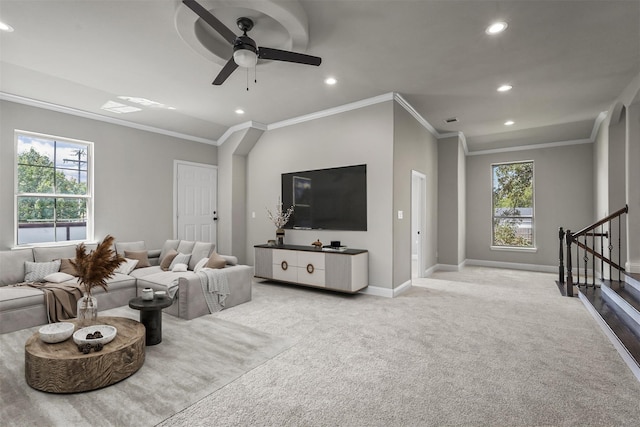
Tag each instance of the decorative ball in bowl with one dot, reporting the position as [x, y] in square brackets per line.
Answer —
[95, 334]
[56, 332]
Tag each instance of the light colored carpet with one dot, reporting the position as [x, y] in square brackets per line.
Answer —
[483, 347]
[195, 358]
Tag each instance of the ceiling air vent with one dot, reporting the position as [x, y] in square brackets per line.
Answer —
[451, 120]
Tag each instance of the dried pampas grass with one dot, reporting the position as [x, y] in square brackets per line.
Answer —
[96, 267]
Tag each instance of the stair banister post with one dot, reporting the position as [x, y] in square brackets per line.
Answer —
[569, 275]
[561, 256]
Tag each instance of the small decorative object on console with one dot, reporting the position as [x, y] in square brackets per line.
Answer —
[279, 219]
[317, 244]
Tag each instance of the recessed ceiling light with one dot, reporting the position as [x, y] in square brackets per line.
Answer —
[496, 27]
[6, 27]
[330, 81]
[239, 111]
[505, 88]
[509, 123]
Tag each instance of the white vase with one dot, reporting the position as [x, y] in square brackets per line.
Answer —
[87, 313]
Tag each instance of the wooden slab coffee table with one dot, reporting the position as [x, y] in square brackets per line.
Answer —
[62, 368]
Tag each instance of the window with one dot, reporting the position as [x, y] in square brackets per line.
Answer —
[512, 207]
[53, 189]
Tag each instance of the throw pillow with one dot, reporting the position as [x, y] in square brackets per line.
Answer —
[127, 266]
[215, 261]
[179, 267]
[37, 271]
[67, 267]
[200, 265]
[180, 259]
[168, 259]
[58, 277]
[141, 256]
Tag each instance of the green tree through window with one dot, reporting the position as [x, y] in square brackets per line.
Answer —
[53, 197]
[513, 204]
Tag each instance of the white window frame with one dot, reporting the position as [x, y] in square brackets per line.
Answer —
[533, 247]
[89, 197]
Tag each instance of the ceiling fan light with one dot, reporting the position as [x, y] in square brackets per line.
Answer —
[245, 58]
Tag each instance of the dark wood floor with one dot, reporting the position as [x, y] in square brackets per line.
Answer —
[617, 319]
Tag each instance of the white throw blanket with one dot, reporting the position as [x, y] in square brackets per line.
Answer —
[215, 287]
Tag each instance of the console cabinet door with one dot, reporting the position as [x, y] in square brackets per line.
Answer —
[311, 268]
[285, 265]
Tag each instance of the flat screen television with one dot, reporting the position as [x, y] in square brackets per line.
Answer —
[327, 199]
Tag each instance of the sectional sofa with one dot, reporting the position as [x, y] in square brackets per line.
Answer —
[23, 307]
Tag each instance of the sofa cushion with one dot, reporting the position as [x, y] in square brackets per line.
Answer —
[141, 256]
[215, 261]
[200, 250]
[163, 279]
[185, 246]
[37, 271]
[13, 297]
[122, 247]
[168, 259]
[166, 247]
[67, 267]
[49, 253]
[12, 265]
[143, 272]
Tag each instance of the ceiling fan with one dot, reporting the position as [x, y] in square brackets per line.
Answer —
[245, 51]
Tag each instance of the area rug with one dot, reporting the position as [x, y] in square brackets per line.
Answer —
[195, 359]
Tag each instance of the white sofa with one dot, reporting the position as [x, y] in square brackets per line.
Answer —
[23, 307]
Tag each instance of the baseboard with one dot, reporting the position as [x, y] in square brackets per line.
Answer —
[632, 267]
[513, 265]
[446, 267]
[386, 292]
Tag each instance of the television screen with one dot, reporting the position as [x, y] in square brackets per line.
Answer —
[329, 199]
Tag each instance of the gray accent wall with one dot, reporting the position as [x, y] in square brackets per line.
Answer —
[414, 148]
[451, 202]
[133, 172]
[361, 136]
[564, 196]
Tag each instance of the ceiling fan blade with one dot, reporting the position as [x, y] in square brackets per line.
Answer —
[226, 72]
[211, 20]
[285, 55]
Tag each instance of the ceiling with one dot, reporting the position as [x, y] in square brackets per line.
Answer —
[567, 61]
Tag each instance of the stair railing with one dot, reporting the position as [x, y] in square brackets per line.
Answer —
[593, 231]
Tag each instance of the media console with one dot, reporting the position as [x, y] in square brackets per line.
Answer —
[345, 271]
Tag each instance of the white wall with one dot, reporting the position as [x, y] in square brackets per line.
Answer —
[133, 172]
[362, 136]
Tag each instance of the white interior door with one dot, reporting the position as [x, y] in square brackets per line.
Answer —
[418, 220]
[195, 201]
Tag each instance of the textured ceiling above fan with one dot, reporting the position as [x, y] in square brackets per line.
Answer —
[245, 50]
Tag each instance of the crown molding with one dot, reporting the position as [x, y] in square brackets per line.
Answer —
[241, 126]
[94, 116]
[332, 111]
[531, 147]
